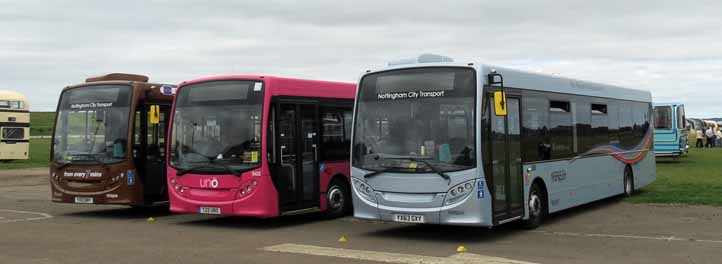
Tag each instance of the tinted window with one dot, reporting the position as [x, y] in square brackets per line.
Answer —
[681, 117]
[535, 120]
[560, 129]
[335, 135]
[600, 125]
[663, 117]
[582, 122]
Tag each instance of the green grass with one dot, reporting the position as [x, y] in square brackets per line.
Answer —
[39, 156]
[694, 179]
[41, 123]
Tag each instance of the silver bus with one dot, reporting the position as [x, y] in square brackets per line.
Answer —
[440, 142]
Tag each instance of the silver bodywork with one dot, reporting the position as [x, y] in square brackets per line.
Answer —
[588, 178]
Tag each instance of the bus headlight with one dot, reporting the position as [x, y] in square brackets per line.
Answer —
[459, 192]
[364, 190]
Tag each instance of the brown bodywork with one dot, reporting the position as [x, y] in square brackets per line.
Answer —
[73, 180]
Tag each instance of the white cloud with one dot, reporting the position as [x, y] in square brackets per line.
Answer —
[672, 48]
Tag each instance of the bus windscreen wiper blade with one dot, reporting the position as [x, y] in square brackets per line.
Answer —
[62, 165]
[226, 167]
[210, 165]
[433, 169]
[374, 173]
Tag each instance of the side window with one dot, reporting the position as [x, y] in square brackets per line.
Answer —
[626, 124]
[534, 140]
[347, 119]
[335, 133]
[560, 129]
[663, 117]
[582, 124]
[600, 123]
[681, 117]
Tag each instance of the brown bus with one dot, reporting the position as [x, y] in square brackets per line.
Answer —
[109, 142]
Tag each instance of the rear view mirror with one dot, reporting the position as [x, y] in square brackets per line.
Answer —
[154, 115]
[100, 116]
[500, 103]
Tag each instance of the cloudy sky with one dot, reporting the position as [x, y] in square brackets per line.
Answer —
[672, 48]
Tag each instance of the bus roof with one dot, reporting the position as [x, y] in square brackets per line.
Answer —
[668, 104]
[541, 82]
[12, 95]
[290, 86]
[118, 77]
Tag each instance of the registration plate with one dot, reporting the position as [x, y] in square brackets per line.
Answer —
[84, 200]
[407, 218]
[210, 210]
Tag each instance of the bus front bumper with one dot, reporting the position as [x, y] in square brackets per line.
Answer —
[465, 213]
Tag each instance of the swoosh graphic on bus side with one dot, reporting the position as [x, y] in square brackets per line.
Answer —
[628, 156]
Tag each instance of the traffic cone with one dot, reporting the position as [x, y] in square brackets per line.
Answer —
[342, 239]
[461, 249]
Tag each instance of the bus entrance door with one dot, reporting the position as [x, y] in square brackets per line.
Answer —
[507, 183]
[149, 151]
[298, 176]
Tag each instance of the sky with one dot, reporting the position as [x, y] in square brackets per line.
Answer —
[671, 48]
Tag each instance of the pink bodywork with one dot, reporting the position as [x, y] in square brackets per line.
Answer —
[223, 191]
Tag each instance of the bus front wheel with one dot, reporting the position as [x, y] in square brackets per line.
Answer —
[536, 205]
[338, 199]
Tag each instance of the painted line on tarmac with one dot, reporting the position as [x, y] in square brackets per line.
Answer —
[662, 238]
[388, 257]
[39, 216]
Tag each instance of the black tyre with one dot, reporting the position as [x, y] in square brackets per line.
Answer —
[537, 206]
[628, 182]
[338, 199]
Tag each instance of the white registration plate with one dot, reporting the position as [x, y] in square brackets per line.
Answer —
[210, 210]
[84, 200]
[407, 218]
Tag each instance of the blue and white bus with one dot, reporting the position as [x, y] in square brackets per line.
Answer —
[671, 135]
[440, 142]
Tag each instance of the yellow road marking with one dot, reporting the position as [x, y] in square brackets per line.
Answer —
[388, 257]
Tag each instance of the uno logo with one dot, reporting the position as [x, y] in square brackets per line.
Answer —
[212, 183]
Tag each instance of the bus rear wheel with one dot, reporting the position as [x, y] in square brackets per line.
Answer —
[338, 199]
[536, 205]
[628, 182]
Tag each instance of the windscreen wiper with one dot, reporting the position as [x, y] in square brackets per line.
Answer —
[226, 167]
[433, 169]
[211, 165]
[62, 165]
[374, 173]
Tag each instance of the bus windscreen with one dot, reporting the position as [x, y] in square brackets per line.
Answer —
[416, 120]
[217, 127]
[92, 124]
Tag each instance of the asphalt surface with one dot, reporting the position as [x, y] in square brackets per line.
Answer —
[34, 230]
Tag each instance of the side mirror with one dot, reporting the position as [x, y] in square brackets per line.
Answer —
[154, 115]
[500, 103]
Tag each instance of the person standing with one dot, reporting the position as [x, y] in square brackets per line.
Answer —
[710, 137]
[700, 138]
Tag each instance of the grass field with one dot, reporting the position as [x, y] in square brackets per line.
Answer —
[694, 179]
[41, 123]
[39, 156]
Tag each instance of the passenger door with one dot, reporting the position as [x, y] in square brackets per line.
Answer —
[149, 150]
[297, 176]
[507, 183]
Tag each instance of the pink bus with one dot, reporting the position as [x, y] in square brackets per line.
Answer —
[260, 146]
